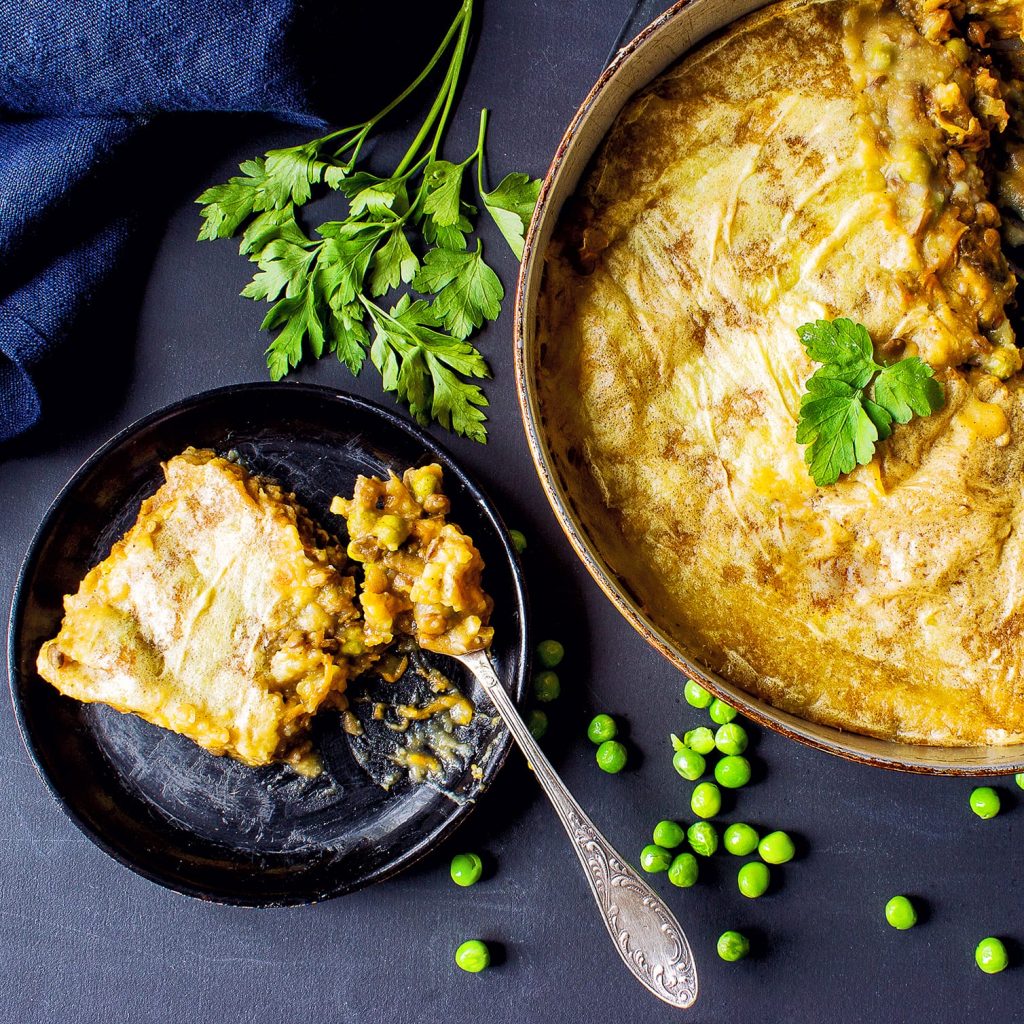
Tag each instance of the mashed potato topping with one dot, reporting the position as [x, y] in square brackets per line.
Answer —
[820, 159]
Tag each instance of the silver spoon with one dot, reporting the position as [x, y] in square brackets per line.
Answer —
[646, 934]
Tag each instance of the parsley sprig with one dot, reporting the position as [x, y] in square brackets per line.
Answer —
[407, 230]
[851, 401]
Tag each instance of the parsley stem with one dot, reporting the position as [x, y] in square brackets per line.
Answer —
[462, 19]
[480, 151]
[443, 99]
[453, 87]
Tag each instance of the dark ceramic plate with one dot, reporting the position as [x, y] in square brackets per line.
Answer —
[209, 826]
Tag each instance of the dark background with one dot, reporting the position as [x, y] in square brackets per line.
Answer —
[83, 939]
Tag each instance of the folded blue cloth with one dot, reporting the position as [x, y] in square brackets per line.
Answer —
[80, 83]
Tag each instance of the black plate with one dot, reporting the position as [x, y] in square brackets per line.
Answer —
[209, 826]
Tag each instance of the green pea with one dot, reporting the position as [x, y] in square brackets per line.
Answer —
[391, 531]
[518, 540]
[683, 870]
[546, 686]
[466, 869]
[991, 955]
[753, 879]
[733, 946]
[1019, 779]
[655, 858]
[702, 837]
[880, 55]
[732, 771]
[731, 738]
[985, 802]
[776, 848]
[668, 834]
[706, 800]
[720, 712]
[473, 956]
[611, 756]
[701, 740]
[689, 764]
[740, 839]
[695, 694]
[601, 728]
[537, 723]
[550, 653]
[900, 913]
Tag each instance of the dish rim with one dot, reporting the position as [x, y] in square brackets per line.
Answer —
[460, 810]
[857, 747]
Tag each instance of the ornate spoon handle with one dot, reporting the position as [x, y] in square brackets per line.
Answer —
[646, 934]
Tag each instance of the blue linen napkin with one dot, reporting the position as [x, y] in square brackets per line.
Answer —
[80, 83]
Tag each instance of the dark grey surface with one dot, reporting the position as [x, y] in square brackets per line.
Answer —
[83, 939]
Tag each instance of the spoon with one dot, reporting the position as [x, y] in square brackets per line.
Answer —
[646, 934]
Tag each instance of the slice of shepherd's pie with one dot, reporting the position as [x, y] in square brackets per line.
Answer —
[223, 614]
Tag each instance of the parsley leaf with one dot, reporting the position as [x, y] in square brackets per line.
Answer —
[467, 290]
[836, 426]
[840, 421]
[227, 206]
[420, 363]
[452, 236]
[301, 320]
[348, 337]
[266, 227]
[392, 263]
[908, 387]
[511, 205]
[375, 195]
[843, 346]
[442, 183]
[345, 257]
[290, 174]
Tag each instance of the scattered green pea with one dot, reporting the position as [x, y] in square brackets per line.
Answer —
[720, 712]
[655, 858]
[473, 956]
[689, 764]
[740, 839]
[546, 686]
[695, 695]
[611, 756]
[702, 837]
[701, 740]
[601, 728]
[537, 723]
[1019, 779]
[731, 738]
[776, 848]
[466, 869]
[732, 772]
[706, 800]
[900, 913]
[550, 653]
[733, 946]
[991, 955]
[683, 870]
[985, 802]
[668, 834]
[518, 540]
[753, 879]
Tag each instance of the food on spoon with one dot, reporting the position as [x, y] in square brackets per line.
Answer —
[421, 574]
[819, 160]
[223, 614]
